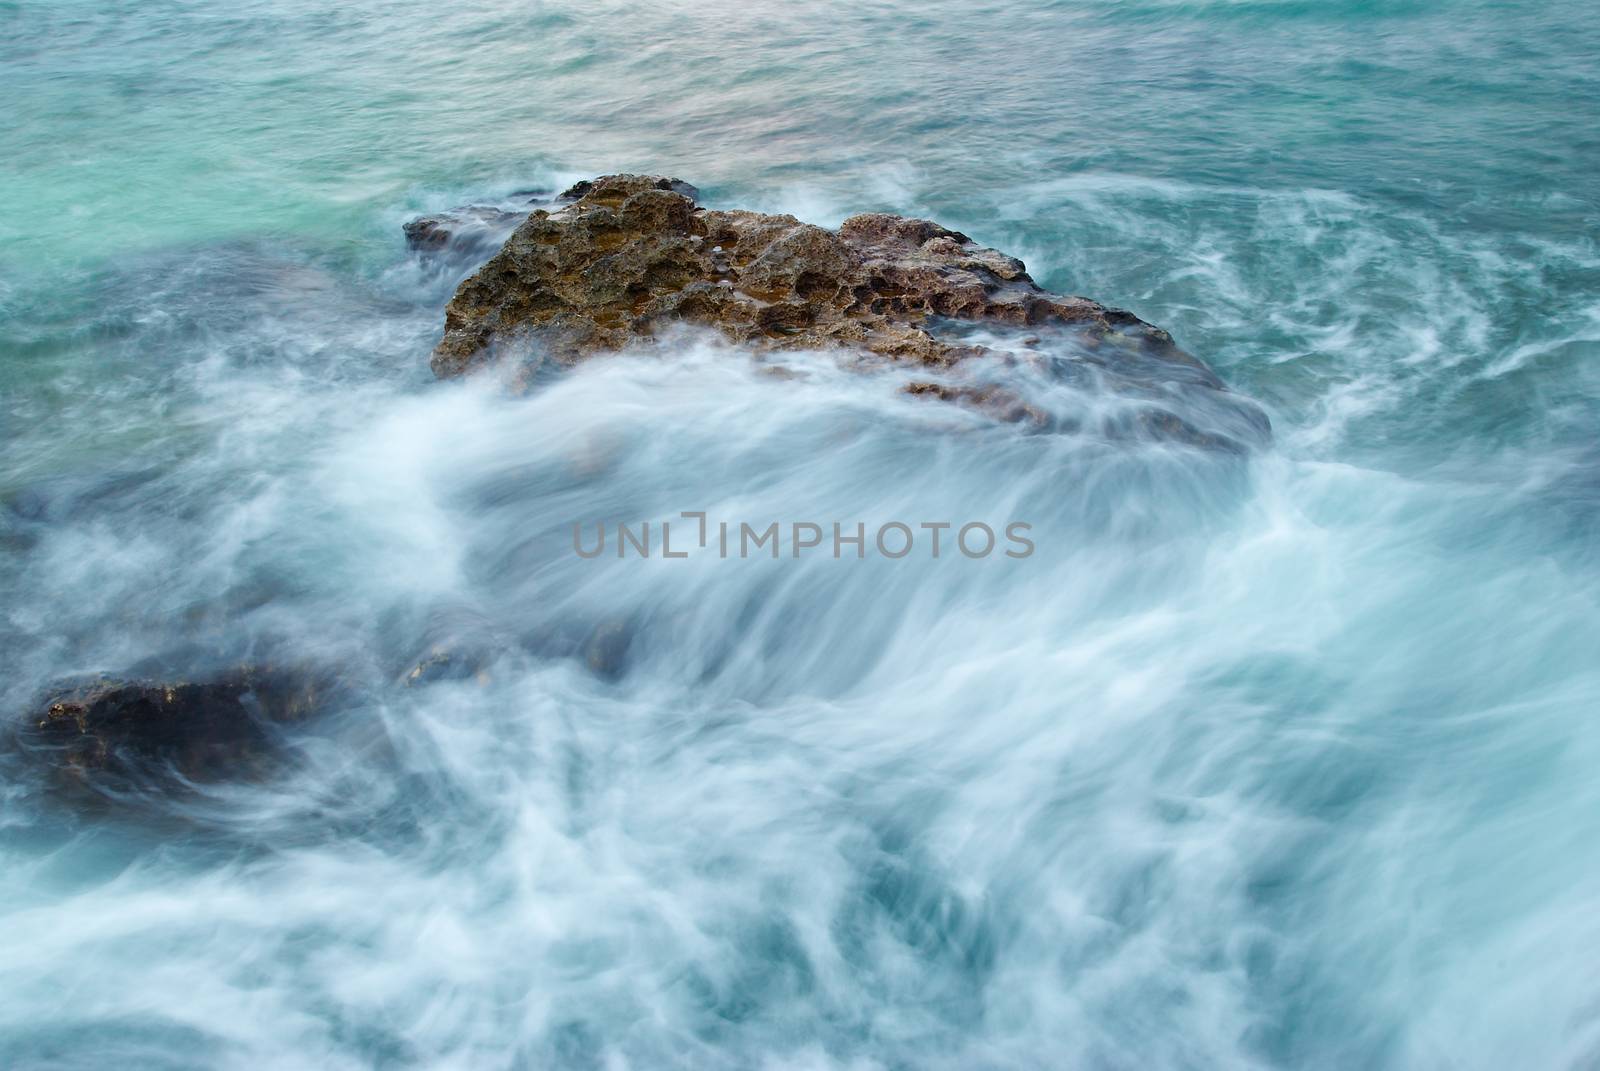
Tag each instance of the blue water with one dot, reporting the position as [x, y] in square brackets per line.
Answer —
[1283, 761]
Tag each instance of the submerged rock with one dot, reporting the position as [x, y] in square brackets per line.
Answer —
[204, 730]
[464, 231]
[614, 261]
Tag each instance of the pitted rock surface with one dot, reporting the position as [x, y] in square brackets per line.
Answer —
[623, 256]
[615, 262]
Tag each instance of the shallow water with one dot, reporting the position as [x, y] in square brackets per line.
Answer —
[1281, 760]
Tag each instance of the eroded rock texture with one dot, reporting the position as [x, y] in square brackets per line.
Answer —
[613, 262]
[629, 253]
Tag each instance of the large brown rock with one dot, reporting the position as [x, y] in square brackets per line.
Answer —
[614, 261]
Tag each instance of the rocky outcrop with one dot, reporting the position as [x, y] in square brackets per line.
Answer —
[613, 262]
[203, 730]
[627, 254]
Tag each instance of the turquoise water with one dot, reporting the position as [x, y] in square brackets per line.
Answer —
[1277, 762]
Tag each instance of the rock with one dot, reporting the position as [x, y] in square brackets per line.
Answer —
[998, 402]
[427, 234]
[446, 663]
[631, 253]
[471, 231]
[617, 259]
[200, 731]
[605, 652]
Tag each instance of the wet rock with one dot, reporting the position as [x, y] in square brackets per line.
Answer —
[605, 652]
[605, 189]
[462, 231]
[620, 258]
[446, 663]
[450, 641]
[629, 254]
[204, 730]
[997, 402]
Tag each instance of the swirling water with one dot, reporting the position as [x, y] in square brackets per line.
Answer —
[1282, 761]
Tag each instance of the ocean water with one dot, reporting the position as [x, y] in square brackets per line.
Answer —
[1277, 761]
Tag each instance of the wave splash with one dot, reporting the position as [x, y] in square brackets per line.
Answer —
[657, 812]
